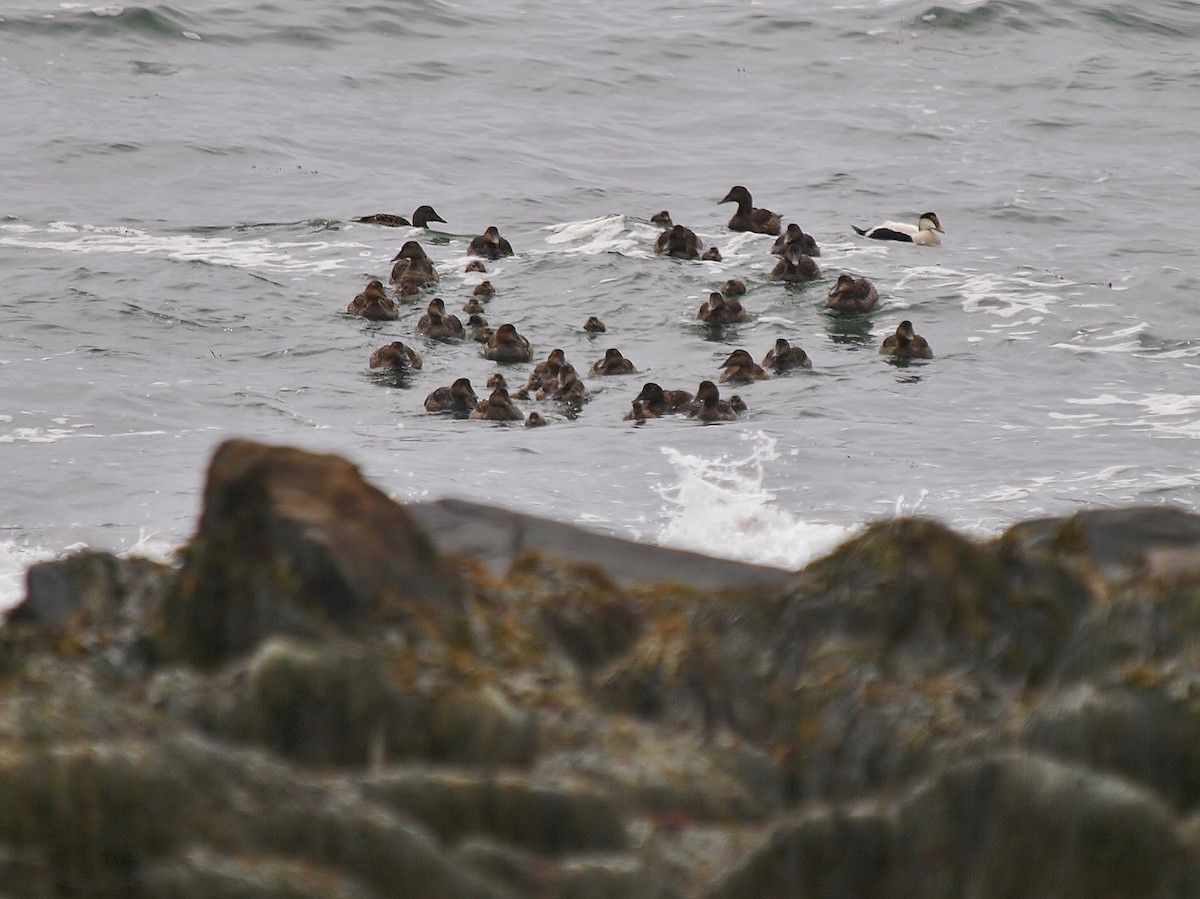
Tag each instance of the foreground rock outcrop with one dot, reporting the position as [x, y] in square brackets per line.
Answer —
[332, 695]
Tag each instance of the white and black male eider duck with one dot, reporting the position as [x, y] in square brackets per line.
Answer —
[420, 219]
[906, 344]
[924, 233]
[747, 218]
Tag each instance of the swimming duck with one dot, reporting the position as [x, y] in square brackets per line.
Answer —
[740, 368]
[497, 407]
[437, 325]
[709, 406]
[507, 345]
[852, 295]
[413, 269]
[638, 412]
[472, 306]
[594, 325]
[568, 387]
[734, 287]
[490, 245]
[906, 344]
[484, 289]
[662, 218]
[717, 310]
[458, 397]
[794, 235]
[680, 242]
[420, 219]
[534, 420]
[785, 357]
[747, 218]
[396, 357]
[497, 380]
[374, 304]
[475, 265]
[613, 363]
[924, 233]
[662, 402]
[544, 377]
[795, 267]
[712, 254]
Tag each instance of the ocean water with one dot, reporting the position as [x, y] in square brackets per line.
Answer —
[177, 249]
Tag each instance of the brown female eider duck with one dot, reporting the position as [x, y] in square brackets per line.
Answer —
[544, 376]
[785, 357]
[506, 345]
[413, 269]
[717, 310]
[734, 287]
[793, 235]
[497, 407]
[679, 242]
[396, 357]
[657, 401]
[906, 344]
[747, 218]
[374, 304]
[613, 363]
[924, 233]
[740, 368]
[420, 219]
[437, 325]
[594, 326]
[490, 245]
[795, 267]
[568, 387]
[852, 296]
[458, 397]
[709, 406]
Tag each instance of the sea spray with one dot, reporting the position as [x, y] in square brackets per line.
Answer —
[721, 506]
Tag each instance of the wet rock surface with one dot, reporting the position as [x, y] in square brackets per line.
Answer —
[332, 695]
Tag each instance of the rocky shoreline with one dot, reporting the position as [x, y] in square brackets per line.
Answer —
[333, 695]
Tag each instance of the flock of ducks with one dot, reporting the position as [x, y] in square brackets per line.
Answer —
[554, 378]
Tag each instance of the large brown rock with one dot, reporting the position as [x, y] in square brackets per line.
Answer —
[296, 542]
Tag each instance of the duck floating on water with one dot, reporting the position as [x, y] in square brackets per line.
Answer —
[906, 344]
[437, 325]
[662, 218]
[785, 357]
[657, 401]
[613, 363]
[795, 235]
[374, 304]
[490, 245]
[795, 267]
[709, 406]
[413, 268]
[593, 325]
[719, 311]
[458, 397]
[747, 218]
[852, 296]
[498, 407]
[506, 345]
[924, 233]
[740, 368]
[420, 218]
[679, 242]
[396, 357]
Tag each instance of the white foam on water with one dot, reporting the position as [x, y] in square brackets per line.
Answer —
[721, 507]
[254, 252]
[605, 234]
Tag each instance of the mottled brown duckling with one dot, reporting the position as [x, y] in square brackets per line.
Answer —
[734, 287]
[458, 397]
[473, 306]
[475, 265]
[420, 219]
[476, 321]
[680, 242]
[413, 269]
[662, 218]
[506, 345]
[374, 304]
[712, 254]
[740, 368]
[852, 296]
[497, 380]
[613, 363]
[785, 357]
[534, 420]
[396, 357]
[484, 289]
[498, 407]
[717, 310]
[638, 412]
[793, 236]
[657, 401]
[594, 326]
[544, 376]
[437, 325]
[568, 387]
[747, 218]
[490, 245]
[906, 344]
[709, 406]
[795, 267]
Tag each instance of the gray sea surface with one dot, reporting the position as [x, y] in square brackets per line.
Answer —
[178, 247]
